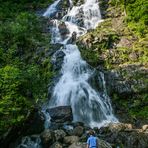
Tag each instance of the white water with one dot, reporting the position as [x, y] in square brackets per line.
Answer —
[73, 89]
[30, 142]
[88, 105]
[51, 9]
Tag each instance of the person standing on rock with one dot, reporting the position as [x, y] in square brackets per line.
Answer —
[92, 141]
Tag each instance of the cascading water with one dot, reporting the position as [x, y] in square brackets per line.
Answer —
[73, 89]
[52, 9]
[30, 142]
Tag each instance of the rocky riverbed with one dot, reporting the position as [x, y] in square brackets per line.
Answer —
[68, 134]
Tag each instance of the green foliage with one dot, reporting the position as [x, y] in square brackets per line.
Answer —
[135, 106]
[137, 16]
[24, 75]
[92, 57]
[23, 33]
[140, 113]
[20, 89]
[11, 8]
[12, 103]
[136, 11]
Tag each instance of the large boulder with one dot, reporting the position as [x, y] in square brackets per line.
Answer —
[60, 114]
[48, 138]
[63, 30]
[71, 139]
[117, 127]
[78, 131]
[59, 135]
[145, 127]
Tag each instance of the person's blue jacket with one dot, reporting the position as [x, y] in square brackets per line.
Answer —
[92, 142]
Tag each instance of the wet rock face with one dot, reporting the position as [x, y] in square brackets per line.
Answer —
[57, 60]
[117, 84]
[60, 114]
[128, 85]
[96, 81]
[63, 30]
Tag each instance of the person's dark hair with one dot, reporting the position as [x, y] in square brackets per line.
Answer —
[91, 132]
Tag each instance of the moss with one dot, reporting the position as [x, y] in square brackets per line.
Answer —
[104, 44]
[98, 42]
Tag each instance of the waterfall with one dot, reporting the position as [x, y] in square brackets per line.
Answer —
[73, 88]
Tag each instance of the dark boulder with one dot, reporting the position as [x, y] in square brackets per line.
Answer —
[63, 30]
[53, 49]
[57, 60]
[78, 131]
[59, 135]
[71, 139]
[72, 40]
[60, 114]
